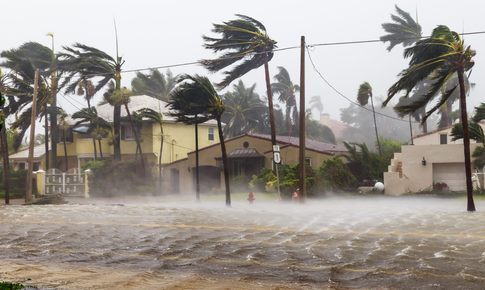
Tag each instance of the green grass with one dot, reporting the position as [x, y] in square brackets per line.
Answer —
[13, 286]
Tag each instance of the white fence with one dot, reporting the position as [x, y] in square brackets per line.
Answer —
[70, 183]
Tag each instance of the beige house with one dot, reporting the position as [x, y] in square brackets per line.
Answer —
[433, 158]
[247, 154]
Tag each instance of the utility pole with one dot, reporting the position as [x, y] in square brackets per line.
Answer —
[302, 193]
[28, 194]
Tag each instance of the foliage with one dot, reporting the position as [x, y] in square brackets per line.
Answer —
[319, 132]
[290, 181]
[285, 89]
[440, 186]
[240, 183]
[372, 164]
[155, 84]
[336, 175]
[14, 286]
[388, 148]
[259, 182]
[403, 31]
[316, 103]
[109, 179]
[17, 181]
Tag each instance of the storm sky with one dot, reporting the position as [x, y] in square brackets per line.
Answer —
[154, 34]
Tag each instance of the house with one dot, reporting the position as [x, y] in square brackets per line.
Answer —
[179, 139]
[336, 126]
[433, 158]
[20, 160]
[247, 154]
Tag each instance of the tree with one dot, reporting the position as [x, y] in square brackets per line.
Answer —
[403, 31]
[196, 95]
[371, 163]
[86, 62]
[439, 57]
[86, 88]
[246, 41]
[363, 95]
[316, 103]
[64, 125]
[244, 110]
[286, 90]
[155, 117]
[122, 97]
[90, 116]
[155, 84]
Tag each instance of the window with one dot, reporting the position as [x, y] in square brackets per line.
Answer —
[211, 134]
[127, 132]
[443, 139]
[308, 160]
[65, 135]
[22, 166]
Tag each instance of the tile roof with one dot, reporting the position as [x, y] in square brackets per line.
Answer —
[39, 151]
[245, 153]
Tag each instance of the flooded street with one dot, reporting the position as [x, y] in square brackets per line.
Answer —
[387, 242]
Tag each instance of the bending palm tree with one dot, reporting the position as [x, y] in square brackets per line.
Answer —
[316, 103]
[403, 31]
[286, 90]
[243, 40]
[197, 96]
[90, 115]
[363, 95]
[155, 84]
[439, 56]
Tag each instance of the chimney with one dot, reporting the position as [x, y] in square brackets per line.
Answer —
[325, 119]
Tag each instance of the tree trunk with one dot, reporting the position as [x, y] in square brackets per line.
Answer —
[375, 125]
[46, 139]
[54, 129]
[411, 129]
[224, 161]
[95, 152]
[6, 166]
[65, 151]
[117, 123]
[136, 139]
[466, 143]
[197, 185]
[160, 165]
[100, 150]
[270, 102]
[288, 118]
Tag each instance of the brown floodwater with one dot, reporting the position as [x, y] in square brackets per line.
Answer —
[387, 242]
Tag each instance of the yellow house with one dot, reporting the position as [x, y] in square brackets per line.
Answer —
[179, 139]
[247, 154]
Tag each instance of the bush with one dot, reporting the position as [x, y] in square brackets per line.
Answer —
[110, 179]
[240, 183]
[336, 175]
[259, 182]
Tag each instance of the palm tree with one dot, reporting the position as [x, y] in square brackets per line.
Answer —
[155, 117]
[64, 125]
[439, 56]
[244, 110]
[246, 41]
[363, 95]
[316, 103]
[196, 95]
[403, 31]
[86, 62]
[122, 97]
[155, 84]
[90, 116]
[86, 88]
[286, 90]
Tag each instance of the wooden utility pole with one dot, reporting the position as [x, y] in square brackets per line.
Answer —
[28, 194]
[302, 124]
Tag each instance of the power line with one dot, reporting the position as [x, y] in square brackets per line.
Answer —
[339, 93]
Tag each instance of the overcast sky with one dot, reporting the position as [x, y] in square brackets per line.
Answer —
[161, 33]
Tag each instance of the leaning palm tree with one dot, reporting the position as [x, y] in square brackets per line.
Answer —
[155, 117]
[316, 103]
[363, 95]
[244, 110]
[155, 84]
[286, 90]
[90, 116]
[196, 95]
[81, 62]
[405, 30]
[122, 97]
[246, 41]
[439, 56]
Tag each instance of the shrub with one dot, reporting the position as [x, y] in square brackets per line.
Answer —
[440, 186]
[336, 175]
[260, 181]
[240, 183]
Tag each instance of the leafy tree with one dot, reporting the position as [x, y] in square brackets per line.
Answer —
[286, 90]
[246, 41]
[363, 95]
[244, 110]
[371, 162]
[439, 56]
[82, 63]
[155, 84]
[196, 95]
[389, 147]
[336, 175]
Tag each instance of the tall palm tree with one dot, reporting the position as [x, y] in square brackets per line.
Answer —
[246, 41]
[155, 84]
[90, 116]
[316, 103]
[286, 90]
[81, 63]
[363, 95]
[86, 88]
[405, 30]
[122, 97]
[195, 95]
[244, 110]
[155, 117]
[441, 55]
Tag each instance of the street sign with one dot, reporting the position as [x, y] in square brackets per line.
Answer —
[276, 148]
[277, 157]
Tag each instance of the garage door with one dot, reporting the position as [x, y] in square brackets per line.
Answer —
[453, 174]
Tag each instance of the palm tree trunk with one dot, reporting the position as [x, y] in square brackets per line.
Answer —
[6, 167]
[411, 129]
[136, 139]
[224, 162]
[466, 143]
[100, 150]
[160, 165]
[270, 101]
[117, 123]
[46, 139]
[95, 152]
[54, 129]
[197, 185]
[375, 125]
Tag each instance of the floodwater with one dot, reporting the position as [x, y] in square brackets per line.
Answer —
[387, 242]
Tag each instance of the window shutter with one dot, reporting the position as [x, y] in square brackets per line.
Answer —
[122, 132]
